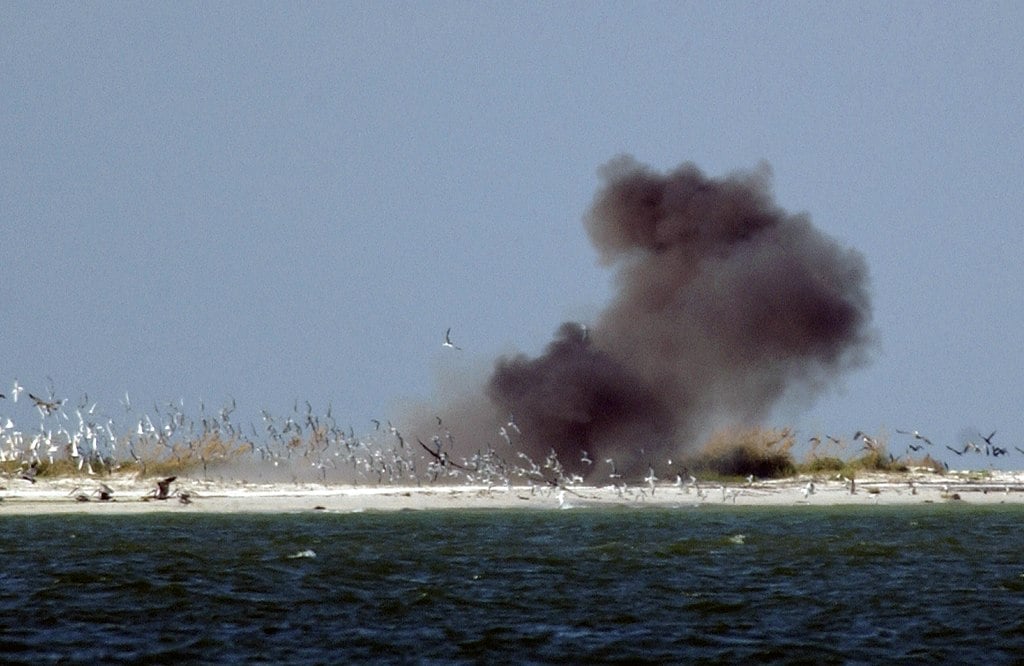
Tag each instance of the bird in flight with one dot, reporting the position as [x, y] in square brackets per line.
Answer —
[163, 488]
[46, 406]
[869, 441]
[439, 455]
[448, 340]
[916, 435]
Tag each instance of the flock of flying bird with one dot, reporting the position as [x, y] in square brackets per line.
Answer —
[989, 448]
[299, 446]
[305, 446]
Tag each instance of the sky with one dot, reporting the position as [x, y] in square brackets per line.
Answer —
[280, 202]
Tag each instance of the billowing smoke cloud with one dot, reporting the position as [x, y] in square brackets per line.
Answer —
[724, 302]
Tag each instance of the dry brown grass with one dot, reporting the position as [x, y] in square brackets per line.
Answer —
[206, 454]
[821, 464]
[60, 467]
[767, 454]
[150, 458]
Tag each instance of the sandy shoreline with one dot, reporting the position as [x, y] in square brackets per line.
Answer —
[18, 497]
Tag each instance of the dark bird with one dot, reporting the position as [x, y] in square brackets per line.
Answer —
[959, 453]
[448, 340]
[988, 440]
[163, 488]
[30, 473]
[46, 406]
[439, 455]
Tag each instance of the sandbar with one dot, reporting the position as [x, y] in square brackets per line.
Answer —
[134, 495]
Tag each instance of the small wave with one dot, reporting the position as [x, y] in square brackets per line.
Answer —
[302, 554]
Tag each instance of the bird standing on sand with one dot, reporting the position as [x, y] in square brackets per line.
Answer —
[30, 473]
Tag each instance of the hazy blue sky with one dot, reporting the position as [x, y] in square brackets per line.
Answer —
[281, 201]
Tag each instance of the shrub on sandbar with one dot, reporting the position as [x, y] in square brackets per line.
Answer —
[739, 453]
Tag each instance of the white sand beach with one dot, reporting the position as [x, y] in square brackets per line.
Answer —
[133, 495]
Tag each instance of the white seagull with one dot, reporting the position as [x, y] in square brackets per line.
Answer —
[650, 479]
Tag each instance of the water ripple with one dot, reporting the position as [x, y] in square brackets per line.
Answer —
[835, 585]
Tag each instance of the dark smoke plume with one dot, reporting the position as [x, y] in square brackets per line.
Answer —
[724, 303]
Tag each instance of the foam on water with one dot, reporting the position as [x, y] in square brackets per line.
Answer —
[862, 584]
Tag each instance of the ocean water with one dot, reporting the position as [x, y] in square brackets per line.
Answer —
[659, 585]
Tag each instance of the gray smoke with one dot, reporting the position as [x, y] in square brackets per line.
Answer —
[724, 303]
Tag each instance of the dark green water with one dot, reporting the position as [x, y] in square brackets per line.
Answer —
[789, 585]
